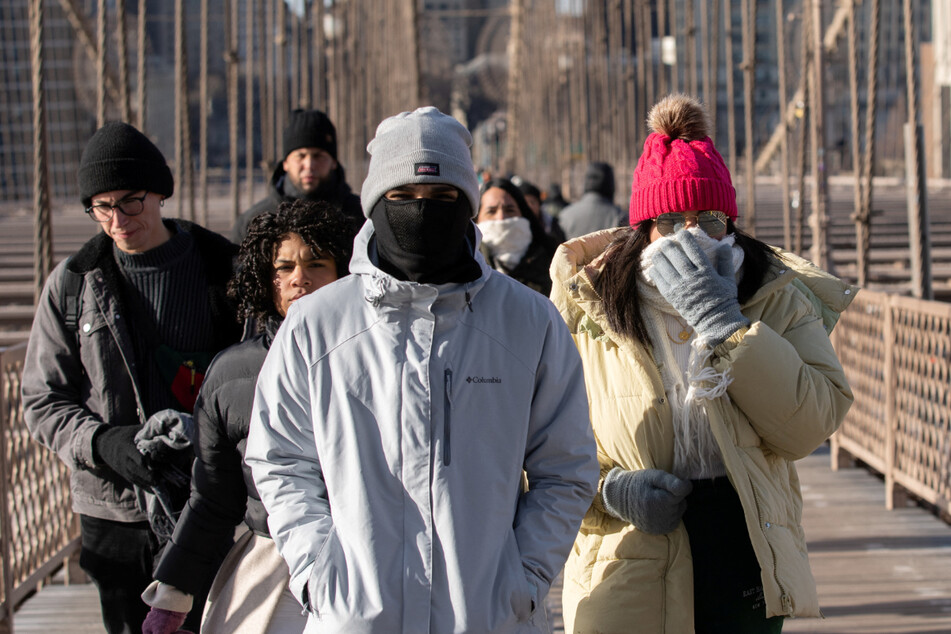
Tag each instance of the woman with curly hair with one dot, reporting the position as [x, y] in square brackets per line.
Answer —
[287, 254]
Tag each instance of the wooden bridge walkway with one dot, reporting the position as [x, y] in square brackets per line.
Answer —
[878, 571]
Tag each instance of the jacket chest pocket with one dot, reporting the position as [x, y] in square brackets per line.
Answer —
[102, 361]
[95, 346]
[90, 324]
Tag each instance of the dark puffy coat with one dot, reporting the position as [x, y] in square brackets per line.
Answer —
[222, 492]
[532, 269]
[76, 382]
[337, 192]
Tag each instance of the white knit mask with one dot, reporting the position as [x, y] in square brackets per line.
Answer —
[507, 240]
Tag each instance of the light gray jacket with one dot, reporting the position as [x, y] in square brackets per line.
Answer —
[593, 212]
[391, 425]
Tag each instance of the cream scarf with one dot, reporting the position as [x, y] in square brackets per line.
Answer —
[686, 370]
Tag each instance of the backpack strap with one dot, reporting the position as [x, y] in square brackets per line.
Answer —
[71, 298]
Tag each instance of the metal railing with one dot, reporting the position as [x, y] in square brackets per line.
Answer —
[38, 531]
[896, 352]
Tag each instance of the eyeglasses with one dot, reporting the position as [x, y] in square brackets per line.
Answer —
[130, 206]
[713, 223]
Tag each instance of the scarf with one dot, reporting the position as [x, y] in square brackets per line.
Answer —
[507, 240]
[686, 369]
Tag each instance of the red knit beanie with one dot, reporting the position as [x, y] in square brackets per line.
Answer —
[680, 169]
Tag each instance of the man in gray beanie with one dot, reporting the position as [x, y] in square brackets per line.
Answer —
[309, 170]
[122, 334]
[399, 407]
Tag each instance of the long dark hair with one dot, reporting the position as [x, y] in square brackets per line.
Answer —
[620, 276]
[538, 230]
[321, 226]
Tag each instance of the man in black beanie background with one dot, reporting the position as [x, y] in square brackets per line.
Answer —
[595, 210]
[310, 170]
[122, 334]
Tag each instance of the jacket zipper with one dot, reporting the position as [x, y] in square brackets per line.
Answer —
[447, 418]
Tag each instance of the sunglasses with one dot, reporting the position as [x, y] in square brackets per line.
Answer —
[713, 223]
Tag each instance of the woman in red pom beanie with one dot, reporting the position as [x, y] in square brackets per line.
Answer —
[709, 371]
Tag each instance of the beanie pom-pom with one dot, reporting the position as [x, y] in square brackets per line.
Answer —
[679, 116]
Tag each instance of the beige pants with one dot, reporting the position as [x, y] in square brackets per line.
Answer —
[249, 594]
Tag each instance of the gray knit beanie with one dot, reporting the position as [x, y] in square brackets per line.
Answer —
[423, 146]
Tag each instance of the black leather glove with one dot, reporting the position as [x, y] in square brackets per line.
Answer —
[650, 499]
[115, 446]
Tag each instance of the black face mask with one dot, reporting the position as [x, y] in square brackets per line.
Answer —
[425, 240]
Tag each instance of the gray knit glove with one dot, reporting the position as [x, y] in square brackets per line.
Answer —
[703, 295]
[650, 499]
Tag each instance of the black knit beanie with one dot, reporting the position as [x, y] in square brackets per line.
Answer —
[310, 128]
[599, 177]
[119, 157]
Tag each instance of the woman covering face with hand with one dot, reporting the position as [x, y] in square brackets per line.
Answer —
[286, 255]
[709, 370]
[513, 239]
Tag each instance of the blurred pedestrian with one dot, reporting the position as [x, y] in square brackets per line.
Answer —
[554, 202]
[310, 171]
[595, 210]
[533, 197]
[513, 240]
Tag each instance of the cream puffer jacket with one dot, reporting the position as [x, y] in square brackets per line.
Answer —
[788, 395]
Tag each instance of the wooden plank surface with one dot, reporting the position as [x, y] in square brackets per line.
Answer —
[877, 570]
[57, 608]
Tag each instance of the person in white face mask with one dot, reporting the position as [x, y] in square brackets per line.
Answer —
[709, 371]
[514, 241]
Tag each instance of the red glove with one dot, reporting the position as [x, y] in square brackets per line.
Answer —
[159, 621]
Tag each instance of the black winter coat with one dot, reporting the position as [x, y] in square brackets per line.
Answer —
[531, 270]
[222, 491]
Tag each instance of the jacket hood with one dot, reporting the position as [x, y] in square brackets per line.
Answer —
[573, 272]
[829, 295]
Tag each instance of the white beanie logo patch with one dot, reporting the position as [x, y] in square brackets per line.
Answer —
[426, 169]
